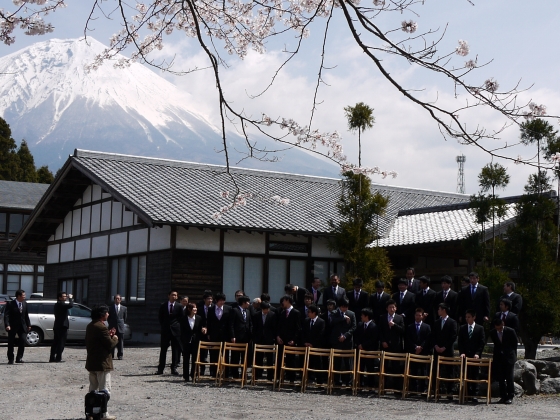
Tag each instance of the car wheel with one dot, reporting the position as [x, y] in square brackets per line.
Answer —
[34, 337]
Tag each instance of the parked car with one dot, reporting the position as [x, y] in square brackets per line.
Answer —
[41, 315]
[4, 298]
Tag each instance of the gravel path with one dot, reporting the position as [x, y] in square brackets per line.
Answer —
[56, 391]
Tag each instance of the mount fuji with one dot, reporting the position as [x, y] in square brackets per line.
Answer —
[56, 106]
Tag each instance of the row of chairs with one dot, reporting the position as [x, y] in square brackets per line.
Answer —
[381, 373]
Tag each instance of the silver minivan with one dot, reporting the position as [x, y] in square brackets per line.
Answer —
[41, 315]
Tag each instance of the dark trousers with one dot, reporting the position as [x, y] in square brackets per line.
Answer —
[473, 373]
[190, 351]
[119, 346]
[316, 362]
[214, 356]
[264, 359]
[236, 358]
[20, 343]
[418, 369]
[370, 366]
[445, 372]
[503, 372]
[166, 339]
[58, 344]
[290, 362]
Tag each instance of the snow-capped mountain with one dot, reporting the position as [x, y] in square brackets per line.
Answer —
[52, 102]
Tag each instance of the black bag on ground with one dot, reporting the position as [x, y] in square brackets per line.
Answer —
[96, 404]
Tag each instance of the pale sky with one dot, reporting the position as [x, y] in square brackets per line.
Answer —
[516, 36]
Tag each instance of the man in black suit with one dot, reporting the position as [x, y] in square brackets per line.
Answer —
[447, 296]
[366, 338]
[308, 301]
[288, 331]
[412, 284]
[507, 316]
[265, 297]
[61, 325]
[335, 292]
[425, 299]
[218, 326]
[191, 333]
[313, 335]
[117, 319]
[391, 331]
[378, 300]
[471, 344]
[505, 356]
[515, 298]
[170, 313]
[264, 332]
[315, 291]
[417, 341]
[341, 338]
[475, 296]
[203, 308]
[240, 329]
[444, 335]
[298, 294]
[358, 299]
[406, 302]
[16, 321]
[327, 317]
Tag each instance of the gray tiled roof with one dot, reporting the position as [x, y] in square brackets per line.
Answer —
[172, 192]
[435, 226]
[20, 195]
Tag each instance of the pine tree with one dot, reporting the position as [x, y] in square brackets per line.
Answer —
[44, 176]
[27, 172]
[9, 161]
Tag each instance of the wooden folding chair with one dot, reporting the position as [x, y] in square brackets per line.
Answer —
[453, 363]
[270, 352]
[293, 351]
[392, 358]
[336, 354]
[368, 355]
[206, 346]
[482, 364]
[313, 354]
[417, 359]
[224, 364]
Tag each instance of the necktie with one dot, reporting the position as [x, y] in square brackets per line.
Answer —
[470, 331]
[170, 307]
[20, 306]
[219, 313]
[378, 297]
[444, 295]
[306, 311]
[314, 295]
[425, 291]
[312, 323]
[264, 319]
[333, 291]
[287, 314]
[442, 323]
[473, 289]
[503, 316]
[500, 336]
[244, 315]
[418, 329]
[206, 310]
[402, 296]
[357, 295]
[365, 327]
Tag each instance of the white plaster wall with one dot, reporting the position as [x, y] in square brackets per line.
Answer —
[67, 233]
[86, 219]
[67, 251]
[58, 233]
[193, 238]
[244, 242]
[128, 218]
[96, 193]
[99, 246]
[82, 249]
[77, 203]
[87, 195]
[137, 241]
[160, 238]
[319, 248]
[95, 217]
[53, 253]
[106, 215]
[76, 222]
[116, 215]
[105, 195]
[117, 243]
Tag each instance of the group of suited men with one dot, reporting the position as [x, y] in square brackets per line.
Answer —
[415, 319]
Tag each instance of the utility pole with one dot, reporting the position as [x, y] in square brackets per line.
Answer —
[461, 174]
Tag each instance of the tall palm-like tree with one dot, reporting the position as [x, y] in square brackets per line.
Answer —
[360, 117]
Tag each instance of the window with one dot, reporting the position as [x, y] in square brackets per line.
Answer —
[11, 223]
[22, 276]
[3, 223]
[128, 278]
[242, 273]
[77, 287]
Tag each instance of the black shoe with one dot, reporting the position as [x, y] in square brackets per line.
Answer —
[502, 400]
[474, 400]
[174, 372]
[19, 361]
[51, 360]
[508, 402]
[450, 397]
[159, 372]
[120, 357]
[10, 362]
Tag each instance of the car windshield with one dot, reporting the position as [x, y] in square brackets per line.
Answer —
[80, 311]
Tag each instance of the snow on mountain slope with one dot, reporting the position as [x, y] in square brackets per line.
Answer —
[49, 99]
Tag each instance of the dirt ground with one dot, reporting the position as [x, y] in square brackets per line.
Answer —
[40, 390]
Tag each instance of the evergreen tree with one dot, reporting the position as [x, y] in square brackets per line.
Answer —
[44, 176]
[359, 209]
[360, 117]
[27, 172]
[9, 165]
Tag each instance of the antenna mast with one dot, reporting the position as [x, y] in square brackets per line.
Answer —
[461, 174]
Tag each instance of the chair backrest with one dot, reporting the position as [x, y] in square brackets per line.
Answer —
[370, 354]
[343, 353]
[210, 345]
[399, 357]
[483, 363]
[265, 348]
[300, 351]
[235, 346]
[418, 358]
[450, 361]
[318, 352]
